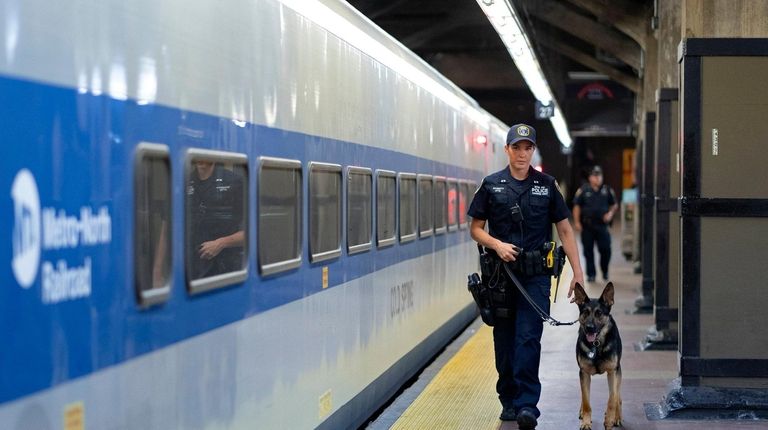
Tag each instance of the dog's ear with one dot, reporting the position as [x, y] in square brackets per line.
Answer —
[607, 296]
[580, 295]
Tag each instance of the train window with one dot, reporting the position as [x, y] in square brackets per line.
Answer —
[440, 205]
[385, 207]
[216, 219]
[426, 218]
[152, 229]
[359, 209]
[464, 197]
[453, 204]
[279, 215]
[324, 211]
[408, 208]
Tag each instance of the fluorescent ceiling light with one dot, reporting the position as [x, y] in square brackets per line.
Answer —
[506, 22]
[587, 76]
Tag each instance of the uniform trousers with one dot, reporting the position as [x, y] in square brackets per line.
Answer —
[589, 235]
[517, 345]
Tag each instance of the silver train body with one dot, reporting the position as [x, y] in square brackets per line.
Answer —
[321, 344]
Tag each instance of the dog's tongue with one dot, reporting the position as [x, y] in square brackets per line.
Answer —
[591, 337]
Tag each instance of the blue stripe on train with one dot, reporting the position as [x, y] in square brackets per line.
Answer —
[80, 149]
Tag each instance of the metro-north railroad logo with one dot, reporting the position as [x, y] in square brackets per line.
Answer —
[523, 131]
[26, 228]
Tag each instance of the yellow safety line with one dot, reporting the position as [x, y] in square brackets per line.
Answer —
[463, 394]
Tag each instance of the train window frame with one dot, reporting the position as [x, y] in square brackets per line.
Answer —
[455, 226]
[200, 285]
[382, 242]
[425, 232]
[443, 205]
[314, 168]
[414, 215]
[464, 187]
[363, 246]
[291, 263]
[146, 151]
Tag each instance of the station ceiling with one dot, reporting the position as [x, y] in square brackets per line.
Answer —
[591, 52]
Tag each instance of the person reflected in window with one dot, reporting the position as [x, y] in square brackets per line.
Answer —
[215, 220]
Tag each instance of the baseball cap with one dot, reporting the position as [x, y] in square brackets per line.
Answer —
[596, 170]
[520, 132]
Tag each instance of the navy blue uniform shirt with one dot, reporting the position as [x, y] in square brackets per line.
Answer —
[594, 204]
[539, 199]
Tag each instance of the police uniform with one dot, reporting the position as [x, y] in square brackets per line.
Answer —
[517, 339]
[594, 205]
[216, 210]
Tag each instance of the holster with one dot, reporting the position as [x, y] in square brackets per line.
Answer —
[491, 289]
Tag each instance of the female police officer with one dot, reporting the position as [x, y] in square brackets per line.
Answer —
[520, 205]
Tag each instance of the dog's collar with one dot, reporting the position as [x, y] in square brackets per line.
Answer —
[593, 351]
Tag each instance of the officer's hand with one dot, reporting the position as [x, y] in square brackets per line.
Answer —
[209, 250]
[507, 251]
[580, 280]
[607, 217]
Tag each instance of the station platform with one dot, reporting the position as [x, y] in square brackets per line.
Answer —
[457, 390]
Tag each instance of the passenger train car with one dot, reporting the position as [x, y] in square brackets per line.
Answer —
[355, 162]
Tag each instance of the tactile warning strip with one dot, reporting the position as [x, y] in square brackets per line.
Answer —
[463, 394]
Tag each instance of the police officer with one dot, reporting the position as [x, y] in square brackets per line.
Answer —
[593, 209]
[215, 199]
[520, 204]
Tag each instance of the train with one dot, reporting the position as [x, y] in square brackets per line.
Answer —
[355, 162]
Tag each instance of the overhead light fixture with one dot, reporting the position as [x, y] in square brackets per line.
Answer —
[504, 19]
[587, 76]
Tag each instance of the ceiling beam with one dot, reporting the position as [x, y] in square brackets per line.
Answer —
[603, 37]
[381, 11]
[628, 17]
[431, 32]
[630, 82]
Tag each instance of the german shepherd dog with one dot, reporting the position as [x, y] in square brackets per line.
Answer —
[598, 350]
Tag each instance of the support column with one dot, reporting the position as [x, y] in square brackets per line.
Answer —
[644, 302]
[723, 346]
[663, 334]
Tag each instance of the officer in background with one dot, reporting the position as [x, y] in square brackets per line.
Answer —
[215, 210]
[593, 209]
[520, 204]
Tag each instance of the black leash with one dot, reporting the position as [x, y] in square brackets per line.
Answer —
[542, 314]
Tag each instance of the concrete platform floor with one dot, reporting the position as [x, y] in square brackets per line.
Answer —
[457, 391]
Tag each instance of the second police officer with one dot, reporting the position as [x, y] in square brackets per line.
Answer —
[593, 209]
[520, 204]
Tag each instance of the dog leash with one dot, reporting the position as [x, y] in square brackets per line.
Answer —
[542, 314]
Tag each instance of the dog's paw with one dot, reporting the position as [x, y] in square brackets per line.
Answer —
[617, 423]
[585, 426]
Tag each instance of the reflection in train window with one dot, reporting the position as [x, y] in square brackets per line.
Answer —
[426, 217]
[324, 211]
[453, 204]
[440, 205]
[216, 219]
[359, 209]
[279, 215]
[385, 207]
[464, 199]
[407, 206]
[152, 229]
